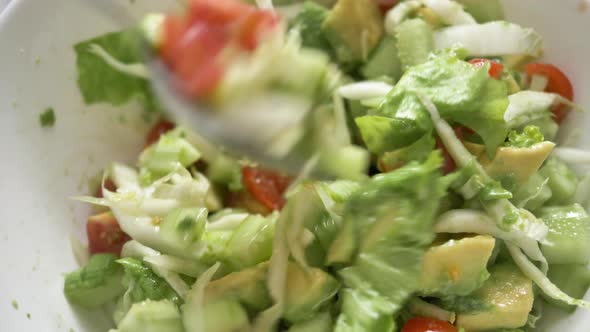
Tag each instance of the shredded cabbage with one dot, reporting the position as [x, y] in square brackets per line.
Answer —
[478, 222]
[450, 12]
[138, 70]
[419, 307]
[572, 156]
[526, 106]
[364, 90]
[491, 39]
[540, 279]
[398, 13]
[196, 300]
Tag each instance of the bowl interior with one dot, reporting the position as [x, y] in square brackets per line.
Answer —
[44, 167]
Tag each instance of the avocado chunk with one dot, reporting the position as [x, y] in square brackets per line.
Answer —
[307, 290]
[247, 286]
[384, 61]
[568, 241]
[510, 296]
[353, 28]
[522, 163]
[152, 316]
[457, 267]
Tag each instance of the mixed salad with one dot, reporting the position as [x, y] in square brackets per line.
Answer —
[451, 208]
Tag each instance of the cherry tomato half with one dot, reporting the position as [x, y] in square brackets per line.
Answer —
[496, 69]
[386, 5]
[425, 324]
[449, 163]
[161, 127]
[266, 186]
[557, 82]
[105, 235]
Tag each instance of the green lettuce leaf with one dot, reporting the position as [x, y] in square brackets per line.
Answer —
[143, 284]
[388, 224]
[99, 82]
[462, 93]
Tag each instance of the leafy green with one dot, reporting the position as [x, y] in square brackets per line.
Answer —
[143, 284]
[96, 283]
[530, 136]
[417, 151]
[309, 21]
[462, 93]
[47, 118]
[101, 83]
[388, 223]
[462, 304]
[365, 311]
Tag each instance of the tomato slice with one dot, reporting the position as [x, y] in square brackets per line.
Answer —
[557, 82]
[108, 184]
[105, 234]
[243, 199]
[448, 162]
[161, 127]
[194, 44]
[425, 324]
[386, 5]
[266, 186]
[496, 69]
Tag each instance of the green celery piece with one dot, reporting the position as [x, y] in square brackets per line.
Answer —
[251, 241]
[384, 61]
[152, 316]
[167, 154]
[95, 284]
[568, 241]
[574, 280]
[563, 182]
[184, 224]
[100, 83]
[415, 42]
[484, 10]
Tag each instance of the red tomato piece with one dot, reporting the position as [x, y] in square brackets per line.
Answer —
[557, 82]
[108, 184]
[105, 234]
[386, 5]
[496, 69]
[425, 324]
[193, 45]
[218, 11]
[253, 27]
[161, 127]
[266, 186]
[243, 199]
[448, 162]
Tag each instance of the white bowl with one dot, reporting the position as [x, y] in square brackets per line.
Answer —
[42, 168]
